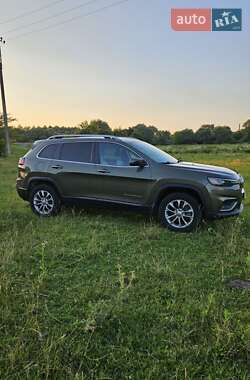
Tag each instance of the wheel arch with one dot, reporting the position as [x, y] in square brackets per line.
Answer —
[35, 181]
[170, 189]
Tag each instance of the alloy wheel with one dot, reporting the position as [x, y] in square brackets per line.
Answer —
[179, 213]
[43, 202]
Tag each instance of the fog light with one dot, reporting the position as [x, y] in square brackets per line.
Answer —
[229, 205]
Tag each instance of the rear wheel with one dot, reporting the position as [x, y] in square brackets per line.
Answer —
[180, 212]
[44, 200]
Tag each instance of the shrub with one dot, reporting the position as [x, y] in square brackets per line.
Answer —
[1, 147]
[1, 143]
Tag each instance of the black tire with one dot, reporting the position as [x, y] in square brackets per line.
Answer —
[170, 213]
[53, 205]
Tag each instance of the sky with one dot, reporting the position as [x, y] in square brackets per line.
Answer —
[124, 65]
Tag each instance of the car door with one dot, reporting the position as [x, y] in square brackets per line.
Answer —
[117, 180]
[74, 171]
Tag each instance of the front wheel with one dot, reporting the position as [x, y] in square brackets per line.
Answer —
[180, 212]
[44, 200]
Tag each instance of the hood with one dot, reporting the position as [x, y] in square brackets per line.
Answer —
[209, 169]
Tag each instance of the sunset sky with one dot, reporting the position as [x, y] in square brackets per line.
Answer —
[124, 65]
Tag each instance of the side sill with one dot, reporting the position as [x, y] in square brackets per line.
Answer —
[105, 203]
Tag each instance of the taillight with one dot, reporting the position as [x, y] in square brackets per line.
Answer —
[21, 162]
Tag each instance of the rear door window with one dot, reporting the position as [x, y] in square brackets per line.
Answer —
[77, 152]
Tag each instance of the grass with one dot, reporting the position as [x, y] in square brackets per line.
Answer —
[226, 149]
[98, 294]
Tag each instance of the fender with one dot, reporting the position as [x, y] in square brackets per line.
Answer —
[166, 187]
[44, 179]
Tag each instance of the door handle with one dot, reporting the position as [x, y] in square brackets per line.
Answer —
[57, 167]
[104, 171]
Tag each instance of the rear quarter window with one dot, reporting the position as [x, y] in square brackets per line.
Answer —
[49, 151]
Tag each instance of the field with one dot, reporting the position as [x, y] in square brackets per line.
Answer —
[101, 294]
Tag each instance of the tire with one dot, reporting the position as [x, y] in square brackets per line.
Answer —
[180, 212]
[44, 200]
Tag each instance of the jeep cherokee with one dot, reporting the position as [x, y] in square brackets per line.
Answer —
[126, 171]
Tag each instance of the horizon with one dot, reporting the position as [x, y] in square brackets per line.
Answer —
[125, 66]
[15, 124]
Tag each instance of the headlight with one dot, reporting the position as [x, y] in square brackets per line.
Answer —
[222, 181]
[216, 181]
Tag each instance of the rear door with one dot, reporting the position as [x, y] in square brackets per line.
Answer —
[74, 171]
[118, 181]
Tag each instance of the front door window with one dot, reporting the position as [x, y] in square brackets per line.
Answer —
[112, 154]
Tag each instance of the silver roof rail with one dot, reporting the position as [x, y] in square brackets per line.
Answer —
[80, 136]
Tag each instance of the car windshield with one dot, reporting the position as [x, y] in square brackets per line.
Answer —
[152, 152]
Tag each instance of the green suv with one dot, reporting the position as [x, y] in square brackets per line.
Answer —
[126, 171]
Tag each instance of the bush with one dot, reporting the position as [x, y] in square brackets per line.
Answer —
[1, 146]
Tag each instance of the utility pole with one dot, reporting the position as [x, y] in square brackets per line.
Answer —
[5, 116]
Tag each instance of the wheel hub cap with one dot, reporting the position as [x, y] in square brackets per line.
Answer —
[179, 213]
[43, 202]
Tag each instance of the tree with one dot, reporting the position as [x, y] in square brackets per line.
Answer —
[162, 138]
[142, 132]
[186, 136]
[96, 127]
[246, 131]
[205, 134]
[223, 135]
[121, 132]
[246, 124]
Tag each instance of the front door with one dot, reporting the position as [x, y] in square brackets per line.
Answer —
[117, 180]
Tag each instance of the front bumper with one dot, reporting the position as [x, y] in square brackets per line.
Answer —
[227, 203]
[235, 212]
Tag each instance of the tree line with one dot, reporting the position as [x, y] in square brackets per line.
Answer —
[206, 134]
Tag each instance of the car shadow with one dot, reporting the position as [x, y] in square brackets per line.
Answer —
[129, 214]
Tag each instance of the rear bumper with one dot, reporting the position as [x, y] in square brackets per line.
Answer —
[22, 192]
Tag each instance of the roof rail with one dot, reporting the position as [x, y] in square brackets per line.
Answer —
[81, 136]
[62, 136]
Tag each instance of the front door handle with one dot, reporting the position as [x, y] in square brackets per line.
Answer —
[57, 167]
[103, 171]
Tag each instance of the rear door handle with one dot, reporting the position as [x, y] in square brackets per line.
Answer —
[57, 167]
[104, 171]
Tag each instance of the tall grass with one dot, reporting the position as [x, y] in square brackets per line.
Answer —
[98, 294]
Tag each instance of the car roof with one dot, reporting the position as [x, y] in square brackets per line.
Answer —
[63, 138]
[76, 138]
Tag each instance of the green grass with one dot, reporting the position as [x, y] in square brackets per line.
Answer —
[98, 294]
[226, 149]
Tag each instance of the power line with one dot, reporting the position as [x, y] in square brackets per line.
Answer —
[28, 13]
[52, 16]
[69, 20]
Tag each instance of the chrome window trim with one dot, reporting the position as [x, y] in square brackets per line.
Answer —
[91, 163]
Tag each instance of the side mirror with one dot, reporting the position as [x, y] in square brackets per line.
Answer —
[141, 163]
